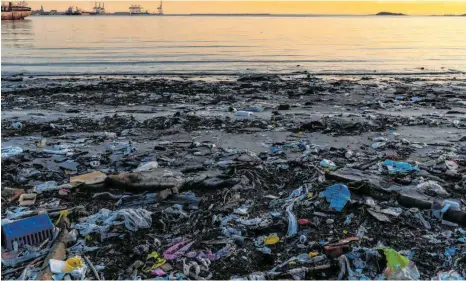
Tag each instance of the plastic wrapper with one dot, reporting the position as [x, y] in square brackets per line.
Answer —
[133, 219]
[292, 222]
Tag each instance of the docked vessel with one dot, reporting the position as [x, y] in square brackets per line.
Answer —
[136, 10]
[73, 11]
[15, 11]
[98, 10]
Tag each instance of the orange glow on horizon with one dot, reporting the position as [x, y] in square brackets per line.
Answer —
[279, 7]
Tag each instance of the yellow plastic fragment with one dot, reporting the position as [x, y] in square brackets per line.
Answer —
[271, 240]
[158, 261]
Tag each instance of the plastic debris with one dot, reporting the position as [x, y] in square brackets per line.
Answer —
[11, 151]
[177, 250]
[254, 109]
[377, 145]
[27, 199]
[399, 267]
[271, 240]
[147, 166]
[133, 219]
[194, 191]
[292, 222]
[243, 114]
[46, 186]
[395, 167]
[348, 219]
[432, 186]
[17, 125]
[448, 275]
[337, 195]
[91, 178]
[328, 164]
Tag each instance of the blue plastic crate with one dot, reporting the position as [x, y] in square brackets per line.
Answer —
[29, 231]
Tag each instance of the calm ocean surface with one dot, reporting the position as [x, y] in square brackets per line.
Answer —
[125, 44]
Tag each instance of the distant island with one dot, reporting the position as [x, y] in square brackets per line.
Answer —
[389, 14]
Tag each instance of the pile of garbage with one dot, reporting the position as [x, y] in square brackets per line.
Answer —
[164, 198]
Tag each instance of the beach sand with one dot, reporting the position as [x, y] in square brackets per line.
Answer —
[189, 122]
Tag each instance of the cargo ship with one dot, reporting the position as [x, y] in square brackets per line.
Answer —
[15, 11]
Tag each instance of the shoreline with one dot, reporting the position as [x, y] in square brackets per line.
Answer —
[238, 74]
[242, 168]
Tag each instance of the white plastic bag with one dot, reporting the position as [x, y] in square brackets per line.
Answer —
[133, 219]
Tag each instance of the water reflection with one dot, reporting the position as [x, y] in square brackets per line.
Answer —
[17, 34]
[124, 44]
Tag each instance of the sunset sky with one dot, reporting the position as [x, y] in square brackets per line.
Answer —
[425, 7]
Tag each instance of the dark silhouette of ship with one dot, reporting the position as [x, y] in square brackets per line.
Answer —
[15, 11]
[73, 11]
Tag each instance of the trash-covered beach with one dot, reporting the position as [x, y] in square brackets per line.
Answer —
[235, 177]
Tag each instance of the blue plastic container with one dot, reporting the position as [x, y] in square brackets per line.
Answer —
[29, 231]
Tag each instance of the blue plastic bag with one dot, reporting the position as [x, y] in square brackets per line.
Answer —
[337, 195]
[395, 167]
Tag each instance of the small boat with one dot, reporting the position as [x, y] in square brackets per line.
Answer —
[15, 11]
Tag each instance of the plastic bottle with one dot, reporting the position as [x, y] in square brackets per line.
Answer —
[244, 114]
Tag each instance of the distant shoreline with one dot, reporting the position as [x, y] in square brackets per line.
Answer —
[257, 15]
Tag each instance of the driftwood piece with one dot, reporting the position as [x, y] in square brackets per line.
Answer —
[145, 181]
[162, 179]
[58, 250]
[417, 200]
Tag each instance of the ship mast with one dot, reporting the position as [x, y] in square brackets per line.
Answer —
[160, 8]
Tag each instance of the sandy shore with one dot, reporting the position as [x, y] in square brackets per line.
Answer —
[190, 125]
